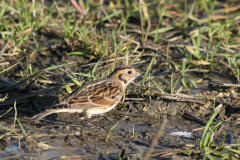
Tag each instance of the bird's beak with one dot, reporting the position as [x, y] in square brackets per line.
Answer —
[137, 74]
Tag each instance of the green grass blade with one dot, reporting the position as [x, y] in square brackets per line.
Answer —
[209, 124]
[5, 112]
[136, 57]
[96, 65]
[20, 124]
[57, 66]
[3, 99]
[6, 128]
[8, 68]
[15, 117]
[161, 90]
[223, 140]
[69, 90]
[148, 69]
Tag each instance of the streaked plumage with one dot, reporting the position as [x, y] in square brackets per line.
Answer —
[97, 97]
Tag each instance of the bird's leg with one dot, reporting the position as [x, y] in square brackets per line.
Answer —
[84, 118]
[102, 115]
[97, 119]
[90, 124]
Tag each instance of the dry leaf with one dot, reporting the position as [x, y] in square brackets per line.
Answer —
[201, 62]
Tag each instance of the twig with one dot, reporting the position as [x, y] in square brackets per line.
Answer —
[23, 96]
[145, 115]
[109, 60]
[141, 20]
[184, 97]
[33, 99]
[228, 66]
[8, 84]
[77, 6]
[155, 140]
[145, 12]
[39, 59]
[5, 46]
[23, 81]
[190, 116]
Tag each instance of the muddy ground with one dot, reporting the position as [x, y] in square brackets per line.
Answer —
[66, 136]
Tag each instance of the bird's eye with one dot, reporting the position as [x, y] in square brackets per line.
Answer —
[129, 72]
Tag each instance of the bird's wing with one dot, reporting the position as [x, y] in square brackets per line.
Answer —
[90, 101]
[99, 93]
[84, 102]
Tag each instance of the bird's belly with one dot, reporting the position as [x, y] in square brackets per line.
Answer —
[98, 110]
[72, 110]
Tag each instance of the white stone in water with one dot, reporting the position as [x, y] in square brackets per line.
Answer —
[182, 134]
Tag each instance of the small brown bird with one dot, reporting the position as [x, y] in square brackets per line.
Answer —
[97, 97]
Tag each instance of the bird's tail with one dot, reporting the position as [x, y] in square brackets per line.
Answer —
[41, 115]
[46, 113]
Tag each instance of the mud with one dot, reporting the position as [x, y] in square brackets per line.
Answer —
[66, 135]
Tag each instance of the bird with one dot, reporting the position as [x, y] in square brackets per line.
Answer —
[96, 97]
